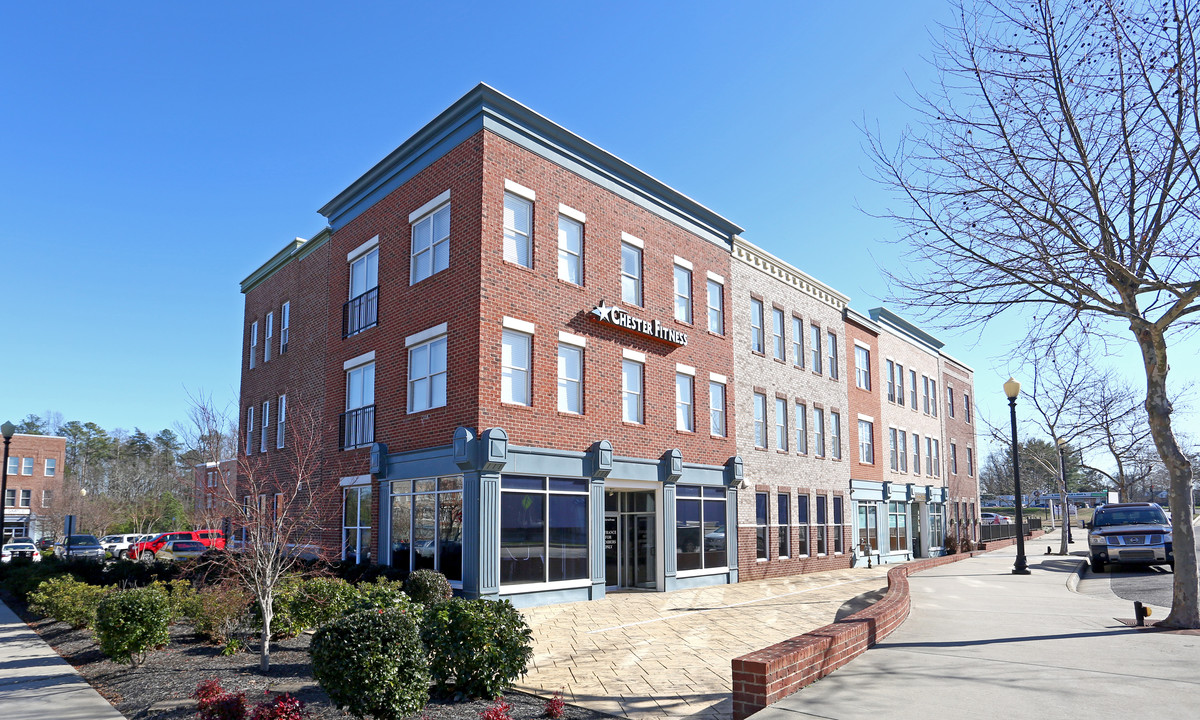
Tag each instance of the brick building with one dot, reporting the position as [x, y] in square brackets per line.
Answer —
[958, 421]
[35, 470]
[537, 370]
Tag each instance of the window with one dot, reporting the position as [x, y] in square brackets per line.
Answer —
[916, 454]
[514, 362]
[570, 379]
[835, 435]
[798, 341]
[785, 531]
[757, 340]
[862, 368]
[543, 529]
[356, 525]
[51, 467]
[801, 428]
[631, 274]
[10, 497]
[891, 380]
[928, 455]
[822, 519]
[631, 390]
[266, 420]
[777, 334]
[358, 422]
[893, 448]
[716, 408]
[27, 466]
[925, 394]
[14, 464]
[970, 462]
[802, 522]
[280, 422]
[427, 525]
[935, 459]
[866, 442]
[900, 386]
[716, 307]
[781, 424]
[912, 383]
[285, 321]
[838, 524]
[683, 294]
[518, 214]
[833, 355]
[967, 408]
[249, 429]
[818, 432]
[47, 498]
[431, 244]
[937, 525]
[361, 311]
[268, 336]
[26, 495]
[815, 337]
[950, 401]
[933, 403]
[684, 417]
[253, 343]
[897, 527]
[427, 375]
[868, 527]
[903, 451]
[570, 250]
[953, 458]
[700, 527]
[760, 420]
[760, 525]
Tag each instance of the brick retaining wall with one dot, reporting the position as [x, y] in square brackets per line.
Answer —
[771, 674]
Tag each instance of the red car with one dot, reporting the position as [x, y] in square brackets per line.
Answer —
[209, 538]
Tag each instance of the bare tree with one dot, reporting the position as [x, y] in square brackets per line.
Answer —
[1056, 172]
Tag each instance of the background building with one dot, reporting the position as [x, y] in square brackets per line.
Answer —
[35, 470]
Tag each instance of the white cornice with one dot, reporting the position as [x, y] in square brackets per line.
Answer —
[764, 261]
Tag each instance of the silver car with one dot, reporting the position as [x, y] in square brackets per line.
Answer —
[80, 546]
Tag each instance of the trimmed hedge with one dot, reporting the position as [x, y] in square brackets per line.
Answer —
[68, 600]
[477, 648]
[130, 623]
[428, 587]
[373, 663]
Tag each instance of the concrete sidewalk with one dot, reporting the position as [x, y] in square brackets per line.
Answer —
[37, 684]
[982, 641]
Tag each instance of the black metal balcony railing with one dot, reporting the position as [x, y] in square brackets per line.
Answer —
[357, 428]
[360, 313]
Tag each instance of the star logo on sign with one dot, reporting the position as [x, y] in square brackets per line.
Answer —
[604, 312]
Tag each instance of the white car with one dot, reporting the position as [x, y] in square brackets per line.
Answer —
[995, 519]
[20, 550]
[118, 545]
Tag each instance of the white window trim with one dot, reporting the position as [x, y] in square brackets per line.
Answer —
[363, 249]
[354, 480]
[519, 190]
[524, 326]
[685, 369]
[569, 339]
[685, 264]
[429, 207]
[425, 335]
[718, 279]
[718, 378]
[636, 242]
[572, 213]
[363, 359]
[627, 354]
[868, 418]
[527, 371]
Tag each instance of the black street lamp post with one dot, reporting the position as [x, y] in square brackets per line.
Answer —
[8, 429]
[1012, 389]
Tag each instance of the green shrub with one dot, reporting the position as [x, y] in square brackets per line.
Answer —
[68, 600]
[23, 579]
[476, 647]
[372, 663]
[129, 623]
[220, 610]
[182, 599]
[382, 594]
[428, 587]
[301, 604]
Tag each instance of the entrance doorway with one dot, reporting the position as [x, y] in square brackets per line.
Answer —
[630, 558]
[915, 524]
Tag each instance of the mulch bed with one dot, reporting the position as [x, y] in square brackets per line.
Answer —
[161, 687]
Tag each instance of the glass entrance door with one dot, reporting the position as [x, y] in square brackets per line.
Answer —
[639, 551]
[630, 559]
[915, 524]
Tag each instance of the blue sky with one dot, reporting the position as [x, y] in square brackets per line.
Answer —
[154, 154]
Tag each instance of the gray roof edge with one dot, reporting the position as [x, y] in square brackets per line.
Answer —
[886, 317]
[296, 249]
[854, 316]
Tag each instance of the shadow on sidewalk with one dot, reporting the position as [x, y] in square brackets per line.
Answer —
[999, 641]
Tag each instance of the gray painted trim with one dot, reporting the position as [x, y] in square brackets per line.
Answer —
[699, 581]
[886, 317]
[297, 249]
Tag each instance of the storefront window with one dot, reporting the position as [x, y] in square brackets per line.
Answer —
[760, 525]
[868, 527]
[897, 527]
[937, 528]
[427, 525]
[356, 524]
[699, 528]
[543, 529]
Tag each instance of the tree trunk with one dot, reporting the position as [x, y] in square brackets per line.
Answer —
[268, 613]
[1185, 596]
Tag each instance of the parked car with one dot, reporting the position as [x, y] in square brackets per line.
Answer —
[45, 543]
[994, 519]
[25, 550]
[80, 546]
[181, 550]
[118, 545]
[1135, 533]
[146, 549]
[21, 539]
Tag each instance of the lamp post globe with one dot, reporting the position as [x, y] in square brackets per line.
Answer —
[1012, 389]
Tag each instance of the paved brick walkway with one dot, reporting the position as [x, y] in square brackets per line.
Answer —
[648, 655]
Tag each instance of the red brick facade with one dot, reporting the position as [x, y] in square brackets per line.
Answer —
[35, 473]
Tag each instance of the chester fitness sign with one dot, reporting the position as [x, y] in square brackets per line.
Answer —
[613, 315]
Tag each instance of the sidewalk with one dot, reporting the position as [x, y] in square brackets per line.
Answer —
[980, 640]
[37, 684]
